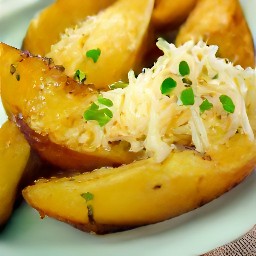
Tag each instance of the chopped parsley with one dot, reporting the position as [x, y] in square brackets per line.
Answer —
[168, 85]
[105, 101]
[12, 69]
[205, 105]
[90, 213]
[87, 196]
[101, 115]
[187, 82]
[94, 106]
[184, 69]
[17, 77]
[93, 54]
[118, 84]
[80, 76]
[187, 97]
[216, 76]
[227, 103]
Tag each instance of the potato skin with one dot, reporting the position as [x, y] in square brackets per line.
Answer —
[144, 192]
[221, 23]
[70, 160]
[19, 166]
[46, 105]
[58, 16]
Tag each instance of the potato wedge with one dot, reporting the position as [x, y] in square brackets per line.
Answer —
[45, 29]
[114, 37]
[144, 192]
[49, 109]
[18, 167]
[171, 13]
[221, 23]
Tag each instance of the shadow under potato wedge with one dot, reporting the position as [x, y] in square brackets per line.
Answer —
[221, 23]
[118, 37]
[171, 13]
[144, 192]
[48, 107]
[18, 167]
[46, 28]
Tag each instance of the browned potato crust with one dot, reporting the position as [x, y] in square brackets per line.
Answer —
[221, 23]
[144, 192]
[46, 106]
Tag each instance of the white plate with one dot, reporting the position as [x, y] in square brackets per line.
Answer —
[194, 233]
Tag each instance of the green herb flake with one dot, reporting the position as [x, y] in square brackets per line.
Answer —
[117, 85]
[93, 54]
[17, 77]
[102, 116]
[184, 69]
[168, 85]
[12, 69]
[227, 103]
[187, 97]
[80, 76]
[187, 82]
[216, 76]
[105, 101]
[90, 213]
[206, 105]
[87, 196]
[94, 106]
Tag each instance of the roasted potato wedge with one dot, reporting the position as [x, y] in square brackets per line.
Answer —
[144, 192]
[205, 104]
[114, 37]
[221, 23]
[171, 13]
[45, 29]
[49, 109]
[18, 167]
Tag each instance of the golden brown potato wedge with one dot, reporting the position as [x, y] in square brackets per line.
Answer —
[144, 192]
[45, 29]
[114, 37]
[171, 13]
[221, 23]
[49, 108]
[17, 167]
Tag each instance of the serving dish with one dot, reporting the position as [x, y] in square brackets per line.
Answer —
[194, 233]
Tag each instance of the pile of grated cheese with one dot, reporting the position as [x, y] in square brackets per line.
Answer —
[156, 124]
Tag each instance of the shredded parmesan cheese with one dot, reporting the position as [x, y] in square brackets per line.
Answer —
[155, 123]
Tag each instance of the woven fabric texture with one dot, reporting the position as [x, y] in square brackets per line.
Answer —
[244, 246]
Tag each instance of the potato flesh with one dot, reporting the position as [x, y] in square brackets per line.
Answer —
[118, 32]
[49, 107]
[220, 23]
[58, 16]
[144, 192]
[14, 156]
